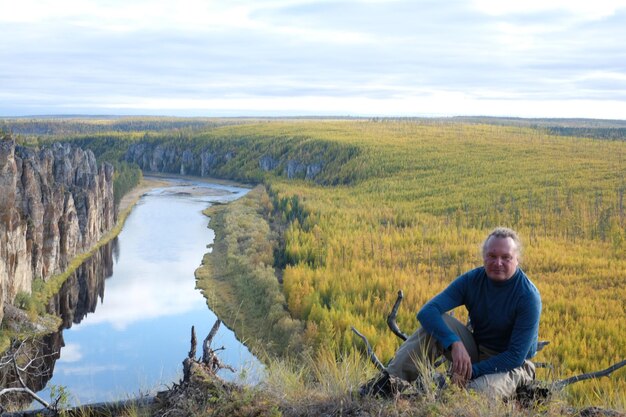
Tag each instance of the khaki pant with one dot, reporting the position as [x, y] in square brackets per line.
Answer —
[421, 350]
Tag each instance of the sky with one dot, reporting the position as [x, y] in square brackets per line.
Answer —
[532, 58]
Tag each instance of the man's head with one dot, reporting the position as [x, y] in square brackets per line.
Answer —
[501, 252]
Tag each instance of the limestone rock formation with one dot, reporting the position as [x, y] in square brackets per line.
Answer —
[219, 162]
[55, 203]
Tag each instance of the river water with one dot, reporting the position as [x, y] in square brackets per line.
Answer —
[128, 312]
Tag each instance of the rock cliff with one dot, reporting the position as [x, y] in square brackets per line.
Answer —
[55, 203]
[229, 162]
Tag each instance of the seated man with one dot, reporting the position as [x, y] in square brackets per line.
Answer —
[504, 308]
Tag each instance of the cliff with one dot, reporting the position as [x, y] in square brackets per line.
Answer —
[245, 159]
[55, 203]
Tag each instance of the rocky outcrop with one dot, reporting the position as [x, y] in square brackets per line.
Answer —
[55, 203]
[213, 161]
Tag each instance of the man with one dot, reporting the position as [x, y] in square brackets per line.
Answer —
[504, 308]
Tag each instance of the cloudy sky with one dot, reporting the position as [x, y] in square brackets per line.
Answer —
[531, 58]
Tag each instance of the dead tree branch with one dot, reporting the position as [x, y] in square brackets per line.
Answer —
[391, 318]
[11, 359]
[207, 352]
[209, 357]
[209, 360]
[605, 372]
[194, 342]
[541, 344]
[370, 351]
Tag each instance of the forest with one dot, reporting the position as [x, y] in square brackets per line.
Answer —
[404, 205]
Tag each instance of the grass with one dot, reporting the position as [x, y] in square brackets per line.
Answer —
[238, 281]
[321, 384]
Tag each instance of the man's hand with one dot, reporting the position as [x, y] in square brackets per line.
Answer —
[461, 364]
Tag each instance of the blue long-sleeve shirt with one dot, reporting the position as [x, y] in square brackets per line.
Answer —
[504, 316]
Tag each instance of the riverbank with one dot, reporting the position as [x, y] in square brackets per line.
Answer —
[237, 277]
[156, 176]
[131, 198]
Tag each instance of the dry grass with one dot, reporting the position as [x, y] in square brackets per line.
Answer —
[321, 385]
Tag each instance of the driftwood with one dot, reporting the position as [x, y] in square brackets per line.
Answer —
[555, 386]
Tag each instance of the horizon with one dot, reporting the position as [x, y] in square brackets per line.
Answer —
[299, 58]
[112, 116]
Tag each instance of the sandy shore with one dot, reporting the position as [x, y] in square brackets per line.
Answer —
[144, 186]
[156, 181]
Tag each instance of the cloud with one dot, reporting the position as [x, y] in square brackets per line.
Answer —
[160, 282]
[194, 55]
[88, 370]
[71, 353]
[163, 296]
[582, 9]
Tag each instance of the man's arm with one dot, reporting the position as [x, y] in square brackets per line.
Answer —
[430, 314]
[523, 336]
[430, 317]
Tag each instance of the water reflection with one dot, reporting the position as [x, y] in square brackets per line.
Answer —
[80, 293]
[78, 296]
[131, 337]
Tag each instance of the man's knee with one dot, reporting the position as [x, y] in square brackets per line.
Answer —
[418, 350]
[504, 384]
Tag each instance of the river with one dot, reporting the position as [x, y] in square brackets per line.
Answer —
[129, 310]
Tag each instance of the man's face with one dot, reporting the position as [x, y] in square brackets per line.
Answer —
[500, 258]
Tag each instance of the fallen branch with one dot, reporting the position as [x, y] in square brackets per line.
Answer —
[541, 344]
[391, 318]
[591, 375]
[113, 408]
[370, 351]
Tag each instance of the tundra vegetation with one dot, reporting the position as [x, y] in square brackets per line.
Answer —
[404, 204]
